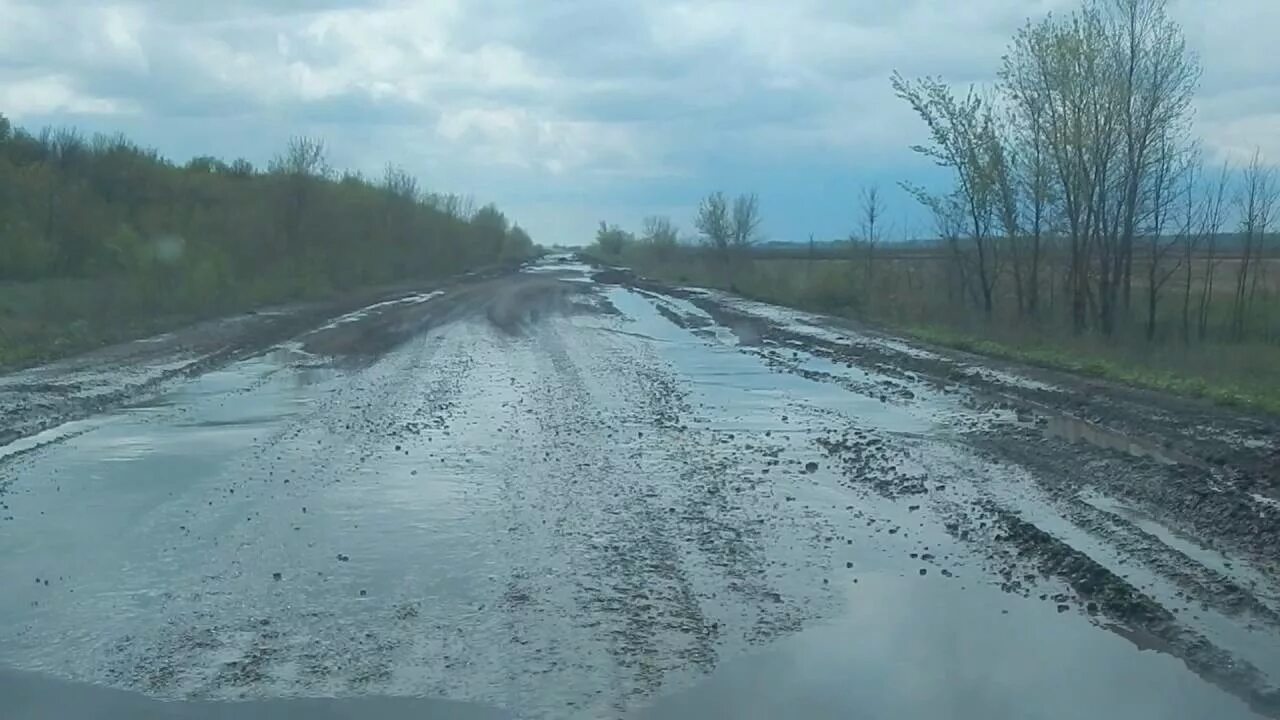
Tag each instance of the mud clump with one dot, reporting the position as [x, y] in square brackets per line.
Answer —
[614, 276]
[1093, 582]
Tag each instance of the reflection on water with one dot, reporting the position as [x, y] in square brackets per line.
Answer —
[1076, 430]
[923, 648]
[29, 696]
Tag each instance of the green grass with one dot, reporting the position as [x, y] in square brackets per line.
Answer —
[1264, 397]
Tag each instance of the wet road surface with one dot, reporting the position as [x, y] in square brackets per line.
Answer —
[547, 495]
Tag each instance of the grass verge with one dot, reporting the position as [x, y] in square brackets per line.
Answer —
[1262, 397]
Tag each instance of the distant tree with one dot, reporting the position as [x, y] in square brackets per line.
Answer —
[1215, 209]
[204, 236]
[299, 169]
[745, 228]
[872, 209]
[518, 244]
[661, 235]
[714, 225]
[489, 227]
[302, 157]
[611, 239]
[398, 182]
[1255, 205]
[207, 164]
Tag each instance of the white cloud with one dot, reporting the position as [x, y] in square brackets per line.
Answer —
[52, 94]
[634, 107]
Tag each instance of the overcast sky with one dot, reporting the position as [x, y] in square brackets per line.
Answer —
[567, 112]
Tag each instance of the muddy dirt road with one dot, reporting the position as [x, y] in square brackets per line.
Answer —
[572, 493]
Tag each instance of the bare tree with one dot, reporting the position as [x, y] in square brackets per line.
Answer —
[1172, 163]
[872, 210]
[1214, 219]
[399, 183]
[661, 235]
[1255, 203]
[713, 223]
[302, 157]
[1194, 209]
[745, 229]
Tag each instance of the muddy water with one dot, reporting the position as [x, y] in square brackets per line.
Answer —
[585, 515]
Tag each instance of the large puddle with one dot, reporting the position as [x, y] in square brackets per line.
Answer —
[909, 647]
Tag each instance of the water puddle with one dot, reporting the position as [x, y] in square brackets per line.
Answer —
[362, 313]
[31, 696]
[903, 652]
[725, 374]
[1080, 431]
[57, 434]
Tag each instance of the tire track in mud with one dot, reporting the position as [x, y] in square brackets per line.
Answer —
[612, 524]
[994, 523]
[646, 530]
[234, 634]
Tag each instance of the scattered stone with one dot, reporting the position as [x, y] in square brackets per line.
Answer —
[811, 467]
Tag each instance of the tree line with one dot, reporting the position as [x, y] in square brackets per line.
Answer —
[153, 236]
[1081, 163]
[1081, 203]
[726, 231]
